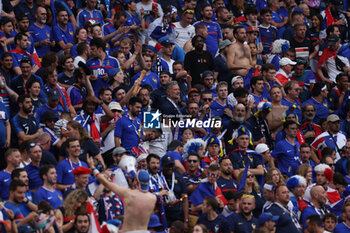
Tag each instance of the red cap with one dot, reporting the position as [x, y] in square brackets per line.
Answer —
[253, 29]
[81, 171]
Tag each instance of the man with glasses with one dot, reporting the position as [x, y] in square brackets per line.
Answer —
[206, 101]
[332, 138]
[207, 187]
[287, 150]
[310, 130]
[193, 174]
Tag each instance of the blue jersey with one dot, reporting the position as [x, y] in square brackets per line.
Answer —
[55, 197]
[54, 138]
[24, 207]
[27, 125]
[94, 17]
[76, 96]
[285, 222]
[277, 18]
[214, 34]
[149, 79]
[65, 171]
[342, 228]
[226, 184]
[99, 68]
[35, 180]
[288, 157]
[67, 36]
[18, 55]
[129, 131]
[285, 102]
[30, 45]
[9, 46]
[107, 29]
[16, 210]
[5, 180]
[322, 109]
[4, 118]
[40, 34]
[268, 36]
[238, 223]
[44, 108]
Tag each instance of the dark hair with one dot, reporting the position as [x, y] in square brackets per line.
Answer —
[82, 47]
[316, 90]
[214, 167]
[30, 83]
[297, 25]
[327, 151]
[315, 219]
[265, 11]
[150, 156]
[45, 169]
[64, 58]
[26, 60]
[120, 14]
[103, 89]
[330, 215]
[198, 27]
[254, 80]
[5, 55]
[61, 9]
[194, 154]
[16, 183]
[98, 42]
[48, 71]
[135, 100]
[204, 6]
[16, 173]
[69, 140]
[211, 201]
[286, 124]
[296, 13]
[338, 178]
[231, 195]
[20, 36]
[48, 59]
[330, 29]
[305, 145]
[236, 28]
[196, 37]
[240, 92]
[81, 214]
[75, 39]
[250, 9]
[22, 97]
[288, 85]
[340, 75]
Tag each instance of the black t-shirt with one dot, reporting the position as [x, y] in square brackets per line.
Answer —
[303, 49]
[87, 147]
[197, 63]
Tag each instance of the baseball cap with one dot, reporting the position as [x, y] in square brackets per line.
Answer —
[81, 170]
[114, 71]
[332, 40]
[143, 178]
[235, 78]
[286, 61]
[115, 106]
[119, 150]
[165, 41]
[167, 160]
[333, 118]
[261, 148]
[53, 94]
[223, 44]
[192, 90]
[264, 217]
[207, 73]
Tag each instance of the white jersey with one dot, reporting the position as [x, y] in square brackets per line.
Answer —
[182, 35]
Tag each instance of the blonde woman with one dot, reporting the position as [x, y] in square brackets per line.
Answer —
[74, 203]
[274, 176]
[305, 170]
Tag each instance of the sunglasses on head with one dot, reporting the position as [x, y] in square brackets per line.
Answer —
[213, 175]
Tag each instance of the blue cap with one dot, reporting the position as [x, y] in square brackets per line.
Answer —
[207, 73]
[242, 130]
[114, 71]
[150, 47]
[125, 2]
[154, 221]
[265, 217]
[213, 140]
[143, 178]
[53, 94]
[165, 41]
[167, 160]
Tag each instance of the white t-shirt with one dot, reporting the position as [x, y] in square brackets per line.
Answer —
[331, 67]
[182, 35]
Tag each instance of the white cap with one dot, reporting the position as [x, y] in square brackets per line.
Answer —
[286, 61]
[261, 148]
[234, 79]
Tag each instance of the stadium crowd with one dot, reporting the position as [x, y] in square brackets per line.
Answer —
[220, 116]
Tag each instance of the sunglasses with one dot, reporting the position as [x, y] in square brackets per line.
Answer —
[250, 176]
[207, 99]
[213, 175]
[192, 161]
[331, 164]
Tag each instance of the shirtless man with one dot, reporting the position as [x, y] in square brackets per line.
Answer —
[274, 118]
[139, 202]
[238, 57]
